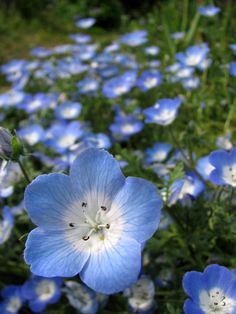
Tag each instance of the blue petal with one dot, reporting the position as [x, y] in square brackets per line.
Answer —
[138, 206]
[191, 308]
[55, 253]
[219, 158]
[51, 201]
[216, 177]
[115, 268]
[193, 284]
[98, 172]
[217, 276]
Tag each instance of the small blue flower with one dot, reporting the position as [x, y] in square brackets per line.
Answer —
[185, 189]
[158, 152]
[81, 297]
[212, 291]
[225, 141]
[124, 126]
[163, 112]
[119, 85]
[86, 23]
[40, 292]
[141, 296]
[80, 38]
[152, 50]
[134, 39]
[63, 136]
[40, 52]
[92, 222]
[32, 134]
[232, 68]
[191, 83]
[177, 35]
[99, 140]
[6, 224]
[148, 80]
[193, 56]
[68, 110]
[208, 10]
[224, 163]
[12, 300]
[88, 85]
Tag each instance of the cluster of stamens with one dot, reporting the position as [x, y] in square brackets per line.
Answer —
[217, 300]
[95, 224]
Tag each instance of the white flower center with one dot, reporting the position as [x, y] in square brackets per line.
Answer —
[34, 104]
[13, 305]
[94, 226]
[214, 301]
[193, 59]
[127, 128]
[150, 82]
[66, 140]
[229, 175]
[45, 289]
[119, 90]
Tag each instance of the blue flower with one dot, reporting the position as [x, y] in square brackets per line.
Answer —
[152, 50]
[12, 300]
[6, 224]
[185, 189]
[81, 297]
[141, 296]
[208, 10]
[88, 85]
[224, 163]
[62, 136]
[86, 23]
[193, 56]
[163, 112]
[212, 291]
[125, 125]
[119, 85]
[158, 152]
[68, 110]
[148, 80]
[99, 140]
[40, 292]
[92, 222]
[134, 39]
[32, 134]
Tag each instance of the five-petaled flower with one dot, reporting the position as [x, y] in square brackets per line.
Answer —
[92, 222]
[213, 291]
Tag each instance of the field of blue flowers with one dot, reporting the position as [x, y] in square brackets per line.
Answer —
[118, 168]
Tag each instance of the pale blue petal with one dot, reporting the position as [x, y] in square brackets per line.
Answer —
[96, 171]
[114, 268]
[55, 253]
[51, 201]
[138, 206]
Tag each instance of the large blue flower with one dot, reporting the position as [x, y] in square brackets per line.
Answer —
[212, 291]
[92, 222]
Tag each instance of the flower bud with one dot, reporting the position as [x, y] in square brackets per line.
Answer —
[5, 143]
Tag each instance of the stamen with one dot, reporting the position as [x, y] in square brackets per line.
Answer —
[85, 238]
[103, 208]
[84, 204]
[71, 224]
[107, 226]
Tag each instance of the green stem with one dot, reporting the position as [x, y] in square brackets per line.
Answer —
[193, 28]
[23, 170]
